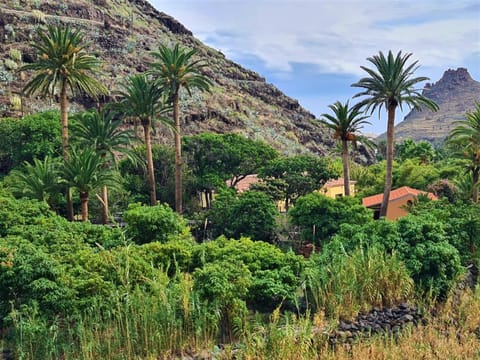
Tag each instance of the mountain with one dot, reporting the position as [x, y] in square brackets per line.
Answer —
[455, 93]
[122, 33]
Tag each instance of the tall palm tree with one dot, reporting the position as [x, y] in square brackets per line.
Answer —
[63, 63]
[346, 124]
[465, 139]
[174, 69]
[103, 132]
[40, 180]
[391, 84]
[141, 99]
[84, 170]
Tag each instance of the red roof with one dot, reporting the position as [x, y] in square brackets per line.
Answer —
[245, 183]
[395, 195]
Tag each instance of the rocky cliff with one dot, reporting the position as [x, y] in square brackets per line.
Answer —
[456, 93]
[122, 33]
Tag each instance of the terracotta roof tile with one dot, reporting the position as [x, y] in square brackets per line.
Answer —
[394, 195]
[244, 184]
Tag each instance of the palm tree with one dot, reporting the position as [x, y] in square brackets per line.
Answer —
[62, 64]
[142, 100]
[176, 69]
[104, 133]
[85, 171]
[39, 181]
[345, 123]
[390, 85]
[465, 139]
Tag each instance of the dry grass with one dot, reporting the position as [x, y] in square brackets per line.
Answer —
[454, 333]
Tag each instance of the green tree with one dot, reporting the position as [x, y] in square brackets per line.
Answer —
[104, 133]
[34, 136]
[174, 69]
[141, 99]
[300, 175]
[85, 171]
[410, 149]
[63, 63]
[391, 84]
[153, 223]
[465, 139]
[251, 214]
[134, 173]
[414, 173]
[321, 217]
[346, 123]
[216, 158]
[39, 181]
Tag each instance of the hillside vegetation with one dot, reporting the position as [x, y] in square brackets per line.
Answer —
[123, 33]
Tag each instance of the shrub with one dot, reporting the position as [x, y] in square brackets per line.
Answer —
[20, 212]
[34, 136]
[320, 217]
[419, 241]
[153, 223]
[223, 286]
[252, 215]
[28, 276]
[172, 256]
[275, 273]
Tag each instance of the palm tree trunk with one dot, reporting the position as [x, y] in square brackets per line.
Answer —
[64, 120]
[151, 174]
[476, 176]
[84, 201]
[388, 175]
[346, 170]
[66, 155]
[105, 211]
[178, 156]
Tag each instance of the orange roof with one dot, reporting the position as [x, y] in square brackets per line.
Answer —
[395, 195]
[336, 182]
[244, 184]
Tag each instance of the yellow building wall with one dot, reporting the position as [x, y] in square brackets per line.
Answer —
[335, 191]
[397, 208]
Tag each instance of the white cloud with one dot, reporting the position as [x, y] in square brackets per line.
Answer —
[337, 36]
[332, 38]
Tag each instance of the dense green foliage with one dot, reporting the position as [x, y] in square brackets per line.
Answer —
[295, 176]
[216, 158]
[250, 214]
[34, 136]
[320, 217]
[152, 223]
[274, 274]
[419, 241]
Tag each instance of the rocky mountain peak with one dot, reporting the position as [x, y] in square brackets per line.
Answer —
[454, 77]
[456, 93]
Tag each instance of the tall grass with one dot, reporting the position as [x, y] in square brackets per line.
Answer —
[347, 284]
[168, 320]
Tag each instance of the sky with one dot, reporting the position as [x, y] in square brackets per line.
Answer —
[312, 50]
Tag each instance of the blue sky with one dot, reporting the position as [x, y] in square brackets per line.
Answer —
[312, 49]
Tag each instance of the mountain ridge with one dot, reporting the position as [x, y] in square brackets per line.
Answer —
[456, 94]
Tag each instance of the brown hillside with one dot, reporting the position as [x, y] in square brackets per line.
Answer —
[122, 33]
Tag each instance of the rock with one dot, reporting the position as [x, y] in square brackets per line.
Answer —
[406, 318]
[390, 320]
